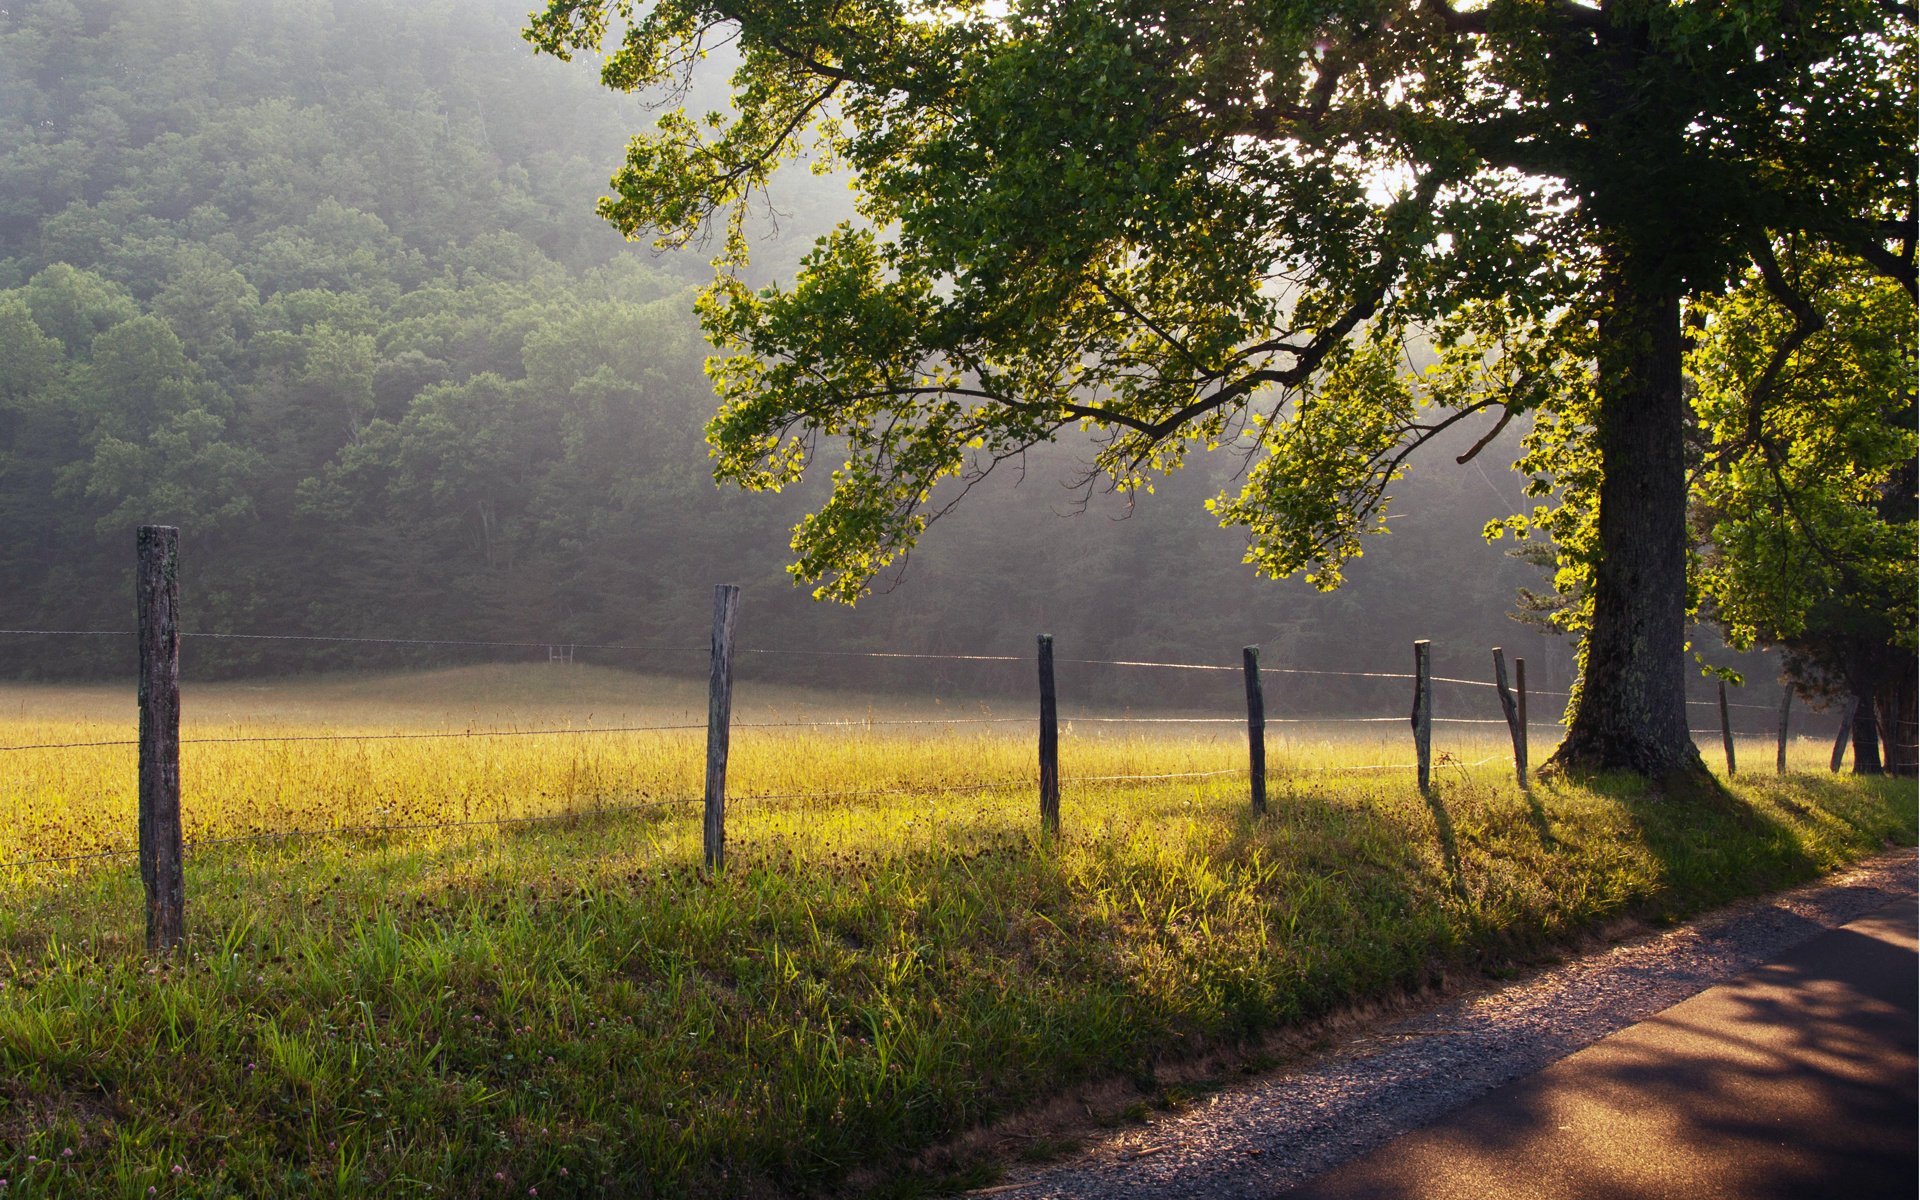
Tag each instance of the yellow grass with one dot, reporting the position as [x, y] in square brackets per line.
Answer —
[543, 746]
[893, 953]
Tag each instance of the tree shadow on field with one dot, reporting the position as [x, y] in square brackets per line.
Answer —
[1712, 844]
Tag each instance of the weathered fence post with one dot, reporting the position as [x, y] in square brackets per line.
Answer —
[1423, 712]
[726, 606]
[1256, 730]
[157, 590]
[1520, 698]
[1512, 711]
[1726, 728]
[1840, 739]
[1049, 742]
[1786, 707]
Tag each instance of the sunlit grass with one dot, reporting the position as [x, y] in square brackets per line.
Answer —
[479, 745]
[574, 1006]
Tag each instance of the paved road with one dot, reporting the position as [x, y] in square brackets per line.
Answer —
[1796, 1080]
[1388, 1097]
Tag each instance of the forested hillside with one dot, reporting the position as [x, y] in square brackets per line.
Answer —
[321, 284]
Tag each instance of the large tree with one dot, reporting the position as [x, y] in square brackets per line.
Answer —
[1220, 225]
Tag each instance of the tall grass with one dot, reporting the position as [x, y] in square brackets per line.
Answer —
[571, 1007]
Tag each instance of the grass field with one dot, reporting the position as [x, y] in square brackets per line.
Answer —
[571, 1007]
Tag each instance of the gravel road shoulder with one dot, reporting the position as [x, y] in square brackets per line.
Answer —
[1269, 1135]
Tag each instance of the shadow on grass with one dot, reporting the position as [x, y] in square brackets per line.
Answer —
[1712, 843]
[1537, 817]
[824, 1004]
[1449, 843]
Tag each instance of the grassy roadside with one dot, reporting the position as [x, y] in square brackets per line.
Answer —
[572, 1008]
[578, 1010]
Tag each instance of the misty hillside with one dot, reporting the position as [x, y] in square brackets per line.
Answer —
[321, 283]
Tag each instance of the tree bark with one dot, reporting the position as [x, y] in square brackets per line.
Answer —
[1631, 712]
[1866, 738]
[1898, 705]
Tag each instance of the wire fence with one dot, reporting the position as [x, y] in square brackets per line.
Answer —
[1253, 772]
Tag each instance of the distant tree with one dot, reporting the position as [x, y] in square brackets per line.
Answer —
[1806, 502]
[1216, 225]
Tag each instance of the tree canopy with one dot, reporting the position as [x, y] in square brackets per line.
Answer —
[1225, 226]
[1806, 506]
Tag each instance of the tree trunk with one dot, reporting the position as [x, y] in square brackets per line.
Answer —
[1631, 712]
[1866, 738]
[1898, 707]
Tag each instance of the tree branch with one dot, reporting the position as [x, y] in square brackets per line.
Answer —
[1506, 415]
[1807, 321]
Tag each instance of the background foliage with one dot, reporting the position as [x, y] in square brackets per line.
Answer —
[320, 284]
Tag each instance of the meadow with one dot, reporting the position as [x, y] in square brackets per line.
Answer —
[506, 974]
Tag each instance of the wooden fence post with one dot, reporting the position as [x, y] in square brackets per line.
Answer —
[1049, 742]
[1840, 739]
[1512, 712]
[1256, 730]
[1520, 697]
[726, 606]
[157, 590]
[1786, 707]
[1726, 728]
[1423, 712]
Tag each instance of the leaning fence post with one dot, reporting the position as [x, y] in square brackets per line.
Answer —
[1256, 729]
[1512, 711]
[1049, 742]
[1786, 707]
[726, 606]
[157, 591]
[1520, 699]
[1726, 727]
[1423, 712]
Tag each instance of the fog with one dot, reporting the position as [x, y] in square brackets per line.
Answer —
[321, 284]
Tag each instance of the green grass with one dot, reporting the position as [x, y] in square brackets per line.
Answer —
[574, 1007]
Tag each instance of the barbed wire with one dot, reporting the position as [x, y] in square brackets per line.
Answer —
[68, 745]
[68, 632]
[1010, 658]
[1766, 708]
[351, 639]
[627, 647]
[1085, 720]
[895, 791]
[60, 858]
[1436, 765]
[571, 731]
[860, 722]
[838, 723]
[431, 735]
[762, 650]
[1166, 775]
